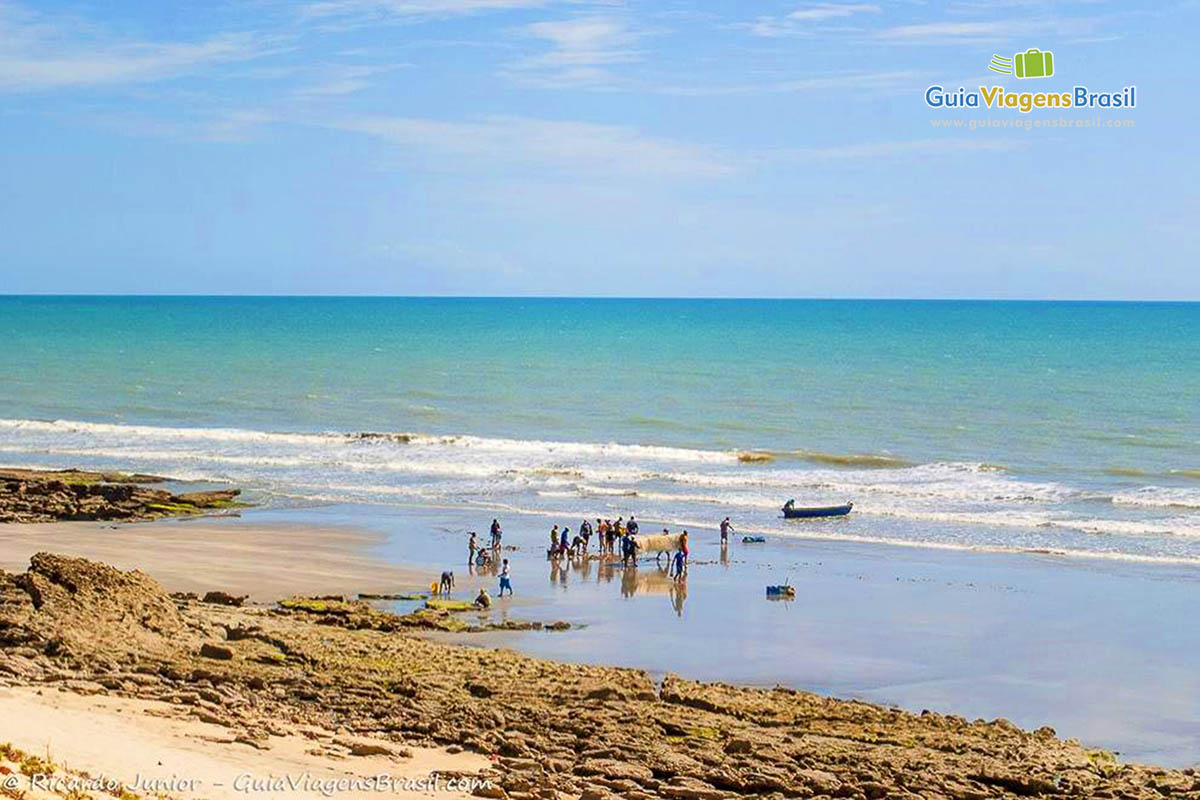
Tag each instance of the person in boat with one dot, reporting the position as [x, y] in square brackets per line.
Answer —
[726, 527]
[789, 505]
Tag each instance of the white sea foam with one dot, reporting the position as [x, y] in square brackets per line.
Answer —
[940, 503]
[1159, 497]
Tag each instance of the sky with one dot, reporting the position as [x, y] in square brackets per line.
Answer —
[593, 147]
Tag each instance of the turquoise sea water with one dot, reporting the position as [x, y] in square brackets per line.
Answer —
[1069, 427]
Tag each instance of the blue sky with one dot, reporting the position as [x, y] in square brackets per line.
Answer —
[590, 148]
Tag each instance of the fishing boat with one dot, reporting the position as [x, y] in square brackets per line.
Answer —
[791, 511]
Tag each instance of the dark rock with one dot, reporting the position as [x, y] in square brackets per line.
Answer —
[225, 599]
[216, 651]
[735, 746]
[479, 689]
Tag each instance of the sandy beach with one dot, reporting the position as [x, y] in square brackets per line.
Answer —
[263, 561]
[342, 676]
[976, 634]
[145, 744]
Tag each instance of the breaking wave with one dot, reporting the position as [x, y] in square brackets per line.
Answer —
[940, 503]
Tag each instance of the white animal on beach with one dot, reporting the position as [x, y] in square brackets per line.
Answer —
[657, 543]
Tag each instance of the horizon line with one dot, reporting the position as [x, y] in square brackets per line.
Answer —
[609, 297]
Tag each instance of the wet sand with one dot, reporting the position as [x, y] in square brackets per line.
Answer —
[1095, 650]
[267, 561]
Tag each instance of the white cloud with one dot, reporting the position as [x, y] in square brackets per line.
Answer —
[954, 30]
[343, 80]
[799, 21]
[555, 148]
[40, 54]
[585, 40]
[823, 11]
[995, 31]
[128, 63]
[582, 52]
[366, 10]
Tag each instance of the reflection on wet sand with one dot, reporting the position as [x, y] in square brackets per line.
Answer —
[648, 579]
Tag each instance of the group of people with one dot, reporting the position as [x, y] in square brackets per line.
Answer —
[485, 556]
[619, 534]
[609, 535]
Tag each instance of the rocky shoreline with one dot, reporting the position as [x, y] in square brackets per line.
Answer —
[29, 496]
[356, 680]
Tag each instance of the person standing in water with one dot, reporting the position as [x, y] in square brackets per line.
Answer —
[683, 545]
[505, 579]
[496, 534]
[726, 527]
[472, 546]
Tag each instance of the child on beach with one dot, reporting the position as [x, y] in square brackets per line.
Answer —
[680, 565]
[505, 579]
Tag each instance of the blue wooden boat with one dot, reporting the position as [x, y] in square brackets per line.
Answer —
[791, 511]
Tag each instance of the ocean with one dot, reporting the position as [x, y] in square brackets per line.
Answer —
[1023, 427]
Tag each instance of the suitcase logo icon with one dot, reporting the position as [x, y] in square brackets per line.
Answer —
[1033, 63]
